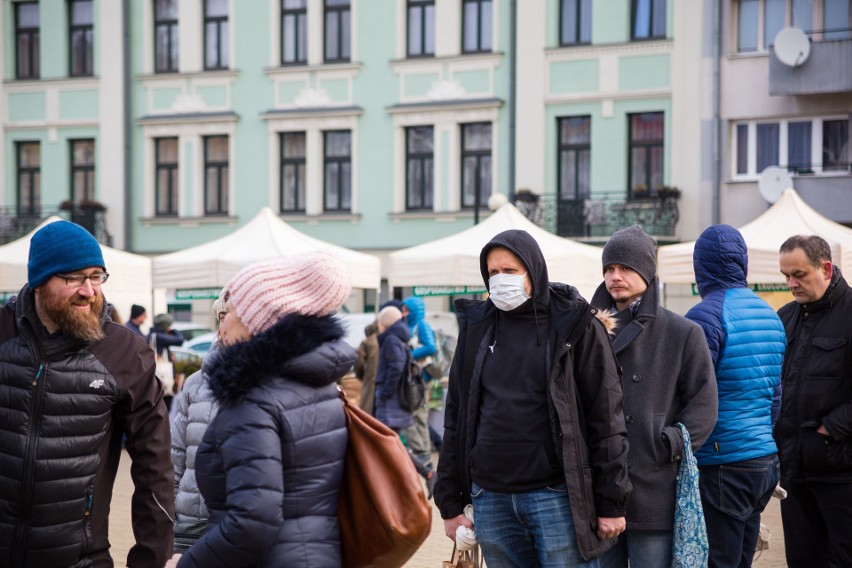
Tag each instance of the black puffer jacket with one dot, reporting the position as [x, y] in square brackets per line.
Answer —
[270, 464]
[64, 406]
[584, 399]
[816, 382]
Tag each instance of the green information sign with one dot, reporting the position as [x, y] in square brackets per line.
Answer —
[755, 287]
[197, 293]
[447, 290]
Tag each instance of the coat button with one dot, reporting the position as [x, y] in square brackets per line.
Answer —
[628, 419]
[826, 443]
[637, 378]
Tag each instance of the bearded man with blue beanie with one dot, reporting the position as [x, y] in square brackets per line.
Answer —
[75, 384]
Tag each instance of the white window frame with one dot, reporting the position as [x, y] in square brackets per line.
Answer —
[751, 159]
[763, 42]
[316, 37]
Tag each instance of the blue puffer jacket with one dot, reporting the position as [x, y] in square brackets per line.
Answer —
[270, 464]
[747, 342]
[393, 354]
[419, 327]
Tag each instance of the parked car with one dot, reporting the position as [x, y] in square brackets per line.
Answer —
[189, 329]
[200, 343]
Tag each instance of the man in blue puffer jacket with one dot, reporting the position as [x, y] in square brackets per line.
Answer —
[747, 342]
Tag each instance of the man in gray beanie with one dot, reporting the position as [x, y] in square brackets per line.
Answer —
[668, 379]
[74, 384]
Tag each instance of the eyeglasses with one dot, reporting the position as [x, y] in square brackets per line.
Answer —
[77, 280]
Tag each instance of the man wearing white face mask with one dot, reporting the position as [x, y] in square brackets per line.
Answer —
[668, 379]
[534, 432]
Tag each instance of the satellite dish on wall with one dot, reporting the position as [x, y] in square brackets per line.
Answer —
[772, 183]
[792, 47]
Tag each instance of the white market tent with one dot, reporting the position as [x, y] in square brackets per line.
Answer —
[129, 274]
[454, 260]
[265, 237]
[789, 216]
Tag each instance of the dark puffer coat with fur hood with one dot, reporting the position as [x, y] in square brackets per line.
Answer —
[270, 464]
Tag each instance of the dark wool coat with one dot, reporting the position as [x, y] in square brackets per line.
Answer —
[64, 408]
[393, 356]
[816, 383]
[584, 400]
[271, 462]
[668, 378]
[366, 362]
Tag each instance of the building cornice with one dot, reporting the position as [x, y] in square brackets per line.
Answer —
[146, 78]
[491, 59]
[193, 117]
[650, 47]
[597, 96]
[33, 85]
[311, 112]
[448, 104]
[350, 68]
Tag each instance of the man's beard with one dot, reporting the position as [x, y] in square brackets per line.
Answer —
[84, 325]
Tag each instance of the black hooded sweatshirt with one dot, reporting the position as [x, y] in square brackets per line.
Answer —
[514, 449]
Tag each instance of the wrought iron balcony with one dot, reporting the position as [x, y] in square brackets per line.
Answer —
[16, 222]
[596, 218]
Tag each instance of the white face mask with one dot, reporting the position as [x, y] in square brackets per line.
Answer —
[506, 291]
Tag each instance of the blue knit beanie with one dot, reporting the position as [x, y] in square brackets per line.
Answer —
[61, 247]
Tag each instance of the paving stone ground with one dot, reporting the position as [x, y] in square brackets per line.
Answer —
[436, 549]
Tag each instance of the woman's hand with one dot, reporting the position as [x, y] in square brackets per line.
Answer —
[173, 561]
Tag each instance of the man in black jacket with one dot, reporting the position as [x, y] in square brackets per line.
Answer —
[72, 384]
[814, 429]
[534, 431]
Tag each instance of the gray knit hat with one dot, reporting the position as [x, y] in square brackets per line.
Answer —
[633, 248]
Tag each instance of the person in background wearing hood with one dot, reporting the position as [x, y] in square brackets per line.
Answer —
[814, 428]
[270, 464]
[196, 409]
[543, 457]
[738, 463]
[423, 347]
[74, 382]
[668, 379]
[393, 357]
[138, 315]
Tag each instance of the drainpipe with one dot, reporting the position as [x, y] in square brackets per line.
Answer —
[128, 124]
[717, 120]
[513, 66]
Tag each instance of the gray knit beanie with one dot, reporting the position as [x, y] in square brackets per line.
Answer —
[633, 248]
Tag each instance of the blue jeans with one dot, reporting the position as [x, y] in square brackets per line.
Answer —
[526, 530]
[645, 549]
[733, 496]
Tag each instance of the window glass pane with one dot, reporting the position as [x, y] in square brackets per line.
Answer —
[300, 188]
[471, 26]
[646, 127]
[302, 46]
[484, 179]
[569, 21]
[294, 145]
[211, 51]
[428, 188]
[36, 56]
[332, 49]
[81, 12]
[568, 175]
[584, 173]
[337, 144]
[575, 130]
[415, 174]
[30, 155]
[336, 2]
[163, 177]
[420, 140]
[217, 148]
[415, 37]
[767, 146]
[211, 183]
[468, 180]
[345, 186]
[585, 21]
[799, 146]
[773, 19]
[331, 184]
[295, 4]
[477, 136]
[656, 167]
[485, 39]
[836, 17]
[659, 28]
[27, 15]
[289, 178]
[165, 10]
[223, 44]
[289, 38]
[429, 31]
[835, 144]
[638, 171]
[642, 19]
[167, 151]
[84, 153]
[747, 32]
[215, 8]
[344, 37]
[803, 11]
[742, 148]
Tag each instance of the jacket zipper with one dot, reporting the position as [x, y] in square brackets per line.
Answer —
[87, 521]
[22, 527]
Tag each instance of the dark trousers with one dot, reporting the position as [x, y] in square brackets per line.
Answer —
[817, 520]
[733, 496]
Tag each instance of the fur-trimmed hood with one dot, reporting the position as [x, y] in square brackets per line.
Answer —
[304, 349]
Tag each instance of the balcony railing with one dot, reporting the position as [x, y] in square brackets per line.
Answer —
[16, 222]
[597, 218]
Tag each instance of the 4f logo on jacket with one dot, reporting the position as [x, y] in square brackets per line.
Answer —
[96, 384]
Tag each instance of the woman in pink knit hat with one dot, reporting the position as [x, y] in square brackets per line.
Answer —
[270, 464]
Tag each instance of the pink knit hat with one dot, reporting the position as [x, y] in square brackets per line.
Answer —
[313, 284]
